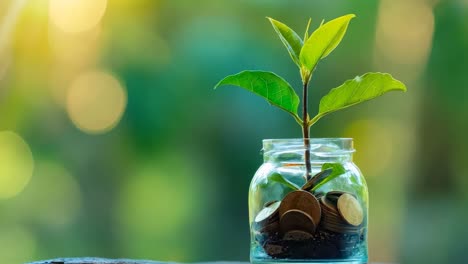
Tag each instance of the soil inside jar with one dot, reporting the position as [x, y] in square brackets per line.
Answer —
[323, 244]
[286, 229]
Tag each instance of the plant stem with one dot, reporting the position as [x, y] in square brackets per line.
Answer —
[306, 129]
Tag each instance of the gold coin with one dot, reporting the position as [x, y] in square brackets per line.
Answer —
[350, 209]
[334, 195]
[315, 179]
[338, 227]
[340, 230]
[328, 205]
[302, 201]
[270, 203]
[297, 220]
[268, 213]
[270, 228]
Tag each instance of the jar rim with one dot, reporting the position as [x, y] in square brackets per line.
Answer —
[274, 140]
[340, 145]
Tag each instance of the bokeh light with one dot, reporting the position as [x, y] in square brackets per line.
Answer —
[75, 16]
[16, 164]
[8, 22]
[5, 59]
[176, 198]
[75, 49]
[383, 149]
[170, 183]
[17, 244]
[96, 101]
[72, 53]
[55, 208]
[372, 139]
[382, 139]
[404, 31]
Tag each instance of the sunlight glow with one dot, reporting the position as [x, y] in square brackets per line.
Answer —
[16, 164]
[404, 31]
[75, 49]
[72, 53]
[372, 139]
[96, 101]
[73, 16]
[7, 23]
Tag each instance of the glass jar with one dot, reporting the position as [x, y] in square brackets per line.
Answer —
[320, 218]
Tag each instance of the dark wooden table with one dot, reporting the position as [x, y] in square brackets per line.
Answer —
[113, 261]
[120, 261]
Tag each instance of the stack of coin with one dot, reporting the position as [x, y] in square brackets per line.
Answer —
[303, 225]
[341, 213]
[266, 224]
[267, 220]
[299, 211]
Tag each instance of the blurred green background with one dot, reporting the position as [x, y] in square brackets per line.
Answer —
[113, 142]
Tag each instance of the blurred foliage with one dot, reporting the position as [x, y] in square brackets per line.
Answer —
[136, 156]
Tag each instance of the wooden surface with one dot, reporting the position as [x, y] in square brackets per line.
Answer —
[113, 261]
[118, 261]
[95, 261]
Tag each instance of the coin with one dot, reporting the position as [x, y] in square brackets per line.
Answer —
[332, 220]
[303, 201]
[334, 195]
[267, 214]
[270, 228]
[328, 205]
[350, 209]
[297, 235]
[297, 220]
[315, 179]
[319, 195]
[270, 203]
[341, 230]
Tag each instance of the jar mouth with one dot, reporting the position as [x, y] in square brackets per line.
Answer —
[335, 146]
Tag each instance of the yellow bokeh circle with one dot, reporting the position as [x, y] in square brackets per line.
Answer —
[16, 164]
[372, 139]
[73, 16]
[96, 102]
[405, 31]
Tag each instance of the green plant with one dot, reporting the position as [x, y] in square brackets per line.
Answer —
[306, 53]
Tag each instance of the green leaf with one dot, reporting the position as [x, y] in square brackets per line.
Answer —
[357, 90]
[323, 41]
[290, 39]
[337, 170]
[270, 86]
[276, 177]
[306, 34]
